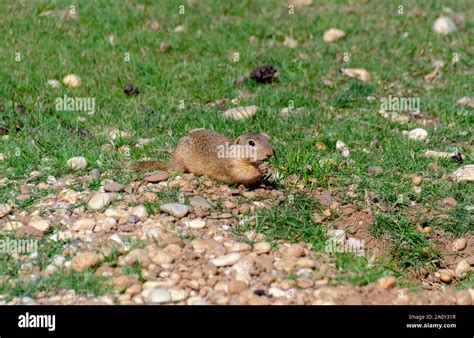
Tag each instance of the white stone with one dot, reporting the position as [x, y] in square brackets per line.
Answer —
[12, 226]
[176, 209]
[463, 174]
[241, 113]
[418, 134]
[357, 73]
[439, 154]
[58, 261]
[51, 180]
[117, 239]
[54, 83]
[78, 163]
[179, 29]
[117, 134]
[50, 270]
[100, 200]
[462, 268]
[41, 225]
[196, 224]
[340, 145]
[178, 295]
[444, 25]
[156, 296]
[83, 223]
[304, 272]
[117, 213]
[140, 211]
[262, 247]
[459, 244]
[333, 34]
[160, 257]
[466, 101]
[229, 259]
[277, 292]
[72, 81]
[235, 246]
[84, 260]
[343, 148]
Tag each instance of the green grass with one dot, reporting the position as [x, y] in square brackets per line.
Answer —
[408, 246]
[197, 70]
[134, 269]
[84, 283]
[293, 222]
[16, 283]
[356, 270]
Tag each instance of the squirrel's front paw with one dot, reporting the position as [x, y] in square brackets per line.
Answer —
[263, 168]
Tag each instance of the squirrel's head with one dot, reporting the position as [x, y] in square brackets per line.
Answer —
[257, 147]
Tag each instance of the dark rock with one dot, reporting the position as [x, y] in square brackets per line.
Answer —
[129, 90]
[264, 74]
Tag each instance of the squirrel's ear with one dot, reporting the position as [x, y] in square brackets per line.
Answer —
[238, 141]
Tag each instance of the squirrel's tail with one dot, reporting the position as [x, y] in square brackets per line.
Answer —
[146, 165]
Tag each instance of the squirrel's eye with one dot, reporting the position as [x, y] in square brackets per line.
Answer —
[252, 143]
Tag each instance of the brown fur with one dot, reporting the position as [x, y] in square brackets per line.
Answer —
[198, 153]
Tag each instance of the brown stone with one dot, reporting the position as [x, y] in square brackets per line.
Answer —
[385, 283]
[85, 260]
[236, 287]
[157, 176]
[449, 202]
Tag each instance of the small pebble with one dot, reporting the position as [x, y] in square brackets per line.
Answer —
[416, 180]
[333, 34]
[113, 187]
[72, 81]
[449, 202]
[262, 247]
[100, 200]
[459, 244]
[41, 225]
[156, 296]
[140, 211]
[418, 134]
[229, 259]
[374, 170]
[77, 163]
[176, 209]
[444, 25]
[196, 224]
[198, 201]
[85, 260]
[357, 73]
[157, 176]
[240, 113]
[385, 283]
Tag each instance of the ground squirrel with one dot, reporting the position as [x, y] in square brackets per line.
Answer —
[207, 152]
